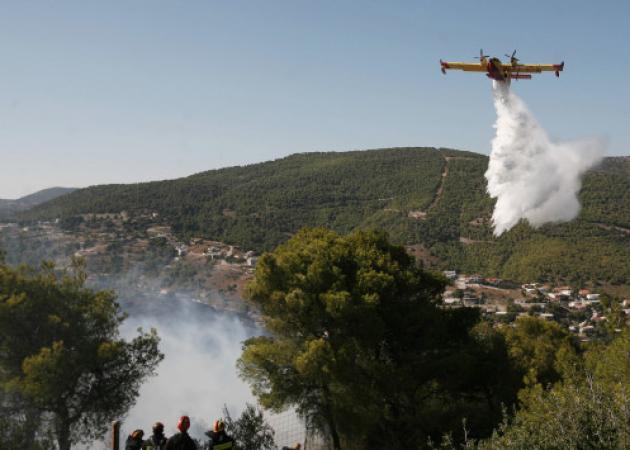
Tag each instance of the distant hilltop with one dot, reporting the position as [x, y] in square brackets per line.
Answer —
[431, 198]
[8, 208]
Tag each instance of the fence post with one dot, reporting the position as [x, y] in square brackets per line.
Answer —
[116, 435]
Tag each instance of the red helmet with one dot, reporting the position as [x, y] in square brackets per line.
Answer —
[218, 426]
[183, 424]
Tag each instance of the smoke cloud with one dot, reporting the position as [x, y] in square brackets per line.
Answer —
[198, 375]
[532, 177]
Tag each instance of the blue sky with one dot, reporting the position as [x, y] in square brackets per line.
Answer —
[108, 92]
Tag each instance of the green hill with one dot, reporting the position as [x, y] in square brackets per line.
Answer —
[434, 197]
[9, 208]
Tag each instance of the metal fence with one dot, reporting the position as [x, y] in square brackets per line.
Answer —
[291, 429]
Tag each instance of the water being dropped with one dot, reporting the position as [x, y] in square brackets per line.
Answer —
[531, 176]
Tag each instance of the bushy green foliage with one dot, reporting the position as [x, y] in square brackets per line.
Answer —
[540, 349]
[63, 366]
[360, 346]
[589, 408]
[250, 431]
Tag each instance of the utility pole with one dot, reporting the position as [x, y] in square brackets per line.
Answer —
[116, 435]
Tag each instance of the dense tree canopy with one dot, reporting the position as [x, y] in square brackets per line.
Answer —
[541, 350]
[63, 365]
[359, 345]
[587, 408]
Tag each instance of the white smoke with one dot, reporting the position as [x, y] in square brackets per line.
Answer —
[198, 375]
[532, 177]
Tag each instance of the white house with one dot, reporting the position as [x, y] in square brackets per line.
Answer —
[181, 250]
[252, 260]
[450, 274]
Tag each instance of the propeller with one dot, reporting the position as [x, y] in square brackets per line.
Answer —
[481, 55]
[512, 57]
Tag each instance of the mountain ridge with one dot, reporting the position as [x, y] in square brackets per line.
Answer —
[8, 207]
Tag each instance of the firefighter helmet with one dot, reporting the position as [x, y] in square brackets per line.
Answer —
[158, 427]
[137, 434]
[183, 424]
[218, 426]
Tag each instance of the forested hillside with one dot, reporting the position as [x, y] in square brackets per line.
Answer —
[434, 197]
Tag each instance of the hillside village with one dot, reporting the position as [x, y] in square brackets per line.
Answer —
[138, 257]
[584, 312]
[141, 257]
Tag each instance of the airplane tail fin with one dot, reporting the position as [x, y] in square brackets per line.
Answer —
[559, 68]
[443, 66]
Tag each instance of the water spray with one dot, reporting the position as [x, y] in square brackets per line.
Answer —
[530, 176]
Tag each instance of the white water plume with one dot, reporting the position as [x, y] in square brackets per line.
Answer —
[532, 177]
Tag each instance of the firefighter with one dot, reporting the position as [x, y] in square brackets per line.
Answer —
[181, 440]
[157, 441]
[297, 446]
[219, 440]
[134, 440]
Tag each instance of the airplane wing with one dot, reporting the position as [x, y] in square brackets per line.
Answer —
[467, 67]
[533, 68]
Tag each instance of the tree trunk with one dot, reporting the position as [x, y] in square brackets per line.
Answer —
[63, 434]
[332, 426]
[33, 420]
[334, 435]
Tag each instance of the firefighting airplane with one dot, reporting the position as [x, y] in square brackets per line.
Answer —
[502, 71]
